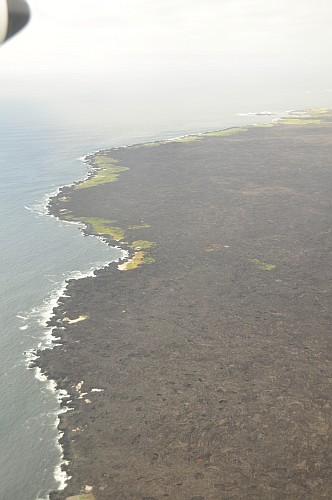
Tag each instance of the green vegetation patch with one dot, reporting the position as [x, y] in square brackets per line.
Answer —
[307, 116]
[142, 244]
[148, 260]
[188, 138]
[104, 226]
[264, 125]
[228, 131]
[319, 112]
[82, 496]
[136, 261]
[99, 226]
[152, 144]
[300, 121]
[263, 265]
[142, 226]
[107, 170]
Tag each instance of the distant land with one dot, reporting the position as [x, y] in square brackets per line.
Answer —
[198, 368]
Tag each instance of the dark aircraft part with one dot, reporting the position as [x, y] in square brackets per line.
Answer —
[14, 15]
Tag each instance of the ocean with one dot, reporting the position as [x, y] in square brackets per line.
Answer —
[42, 150]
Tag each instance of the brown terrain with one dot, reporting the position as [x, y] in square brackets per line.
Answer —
[202, 371]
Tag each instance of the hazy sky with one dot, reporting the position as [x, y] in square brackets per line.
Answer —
[91, 56]
[102, 36]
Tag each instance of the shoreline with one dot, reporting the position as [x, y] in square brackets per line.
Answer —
[57, 320]
[50, 341]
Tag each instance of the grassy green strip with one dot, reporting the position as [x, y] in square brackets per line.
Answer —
[138, 260]
[263, 265]
[148, 260]
[300, 121]
[152, 144]
[102, 227]
[189, 138]
[107, 171]
[142, 226]
[319, 112]
[142, 244]
[220, 133]
[264, 125]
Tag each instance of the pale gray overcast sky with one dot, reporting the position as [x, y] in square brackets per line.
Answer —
[170, 57]
[103, 36]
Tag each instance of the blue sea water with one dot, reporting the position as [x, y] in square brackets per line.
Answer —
[37, 254]
[39, 153]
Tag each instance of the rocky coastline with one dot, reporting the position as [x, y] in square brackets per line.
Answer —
[198, 367]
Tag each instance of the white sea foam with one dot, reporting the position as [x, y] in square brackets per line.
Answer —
[41, 315]
[265, 114]
[40, 208]
[44, 312]
[61, 476]
[21, 317]
[39, 375]
[258, 113]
